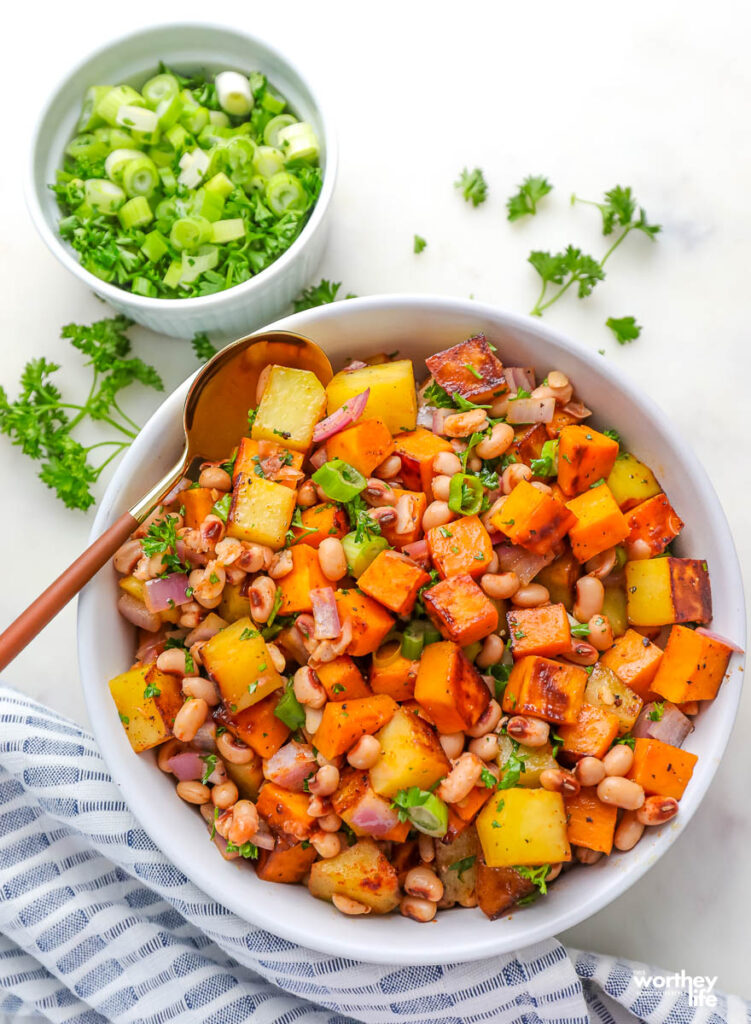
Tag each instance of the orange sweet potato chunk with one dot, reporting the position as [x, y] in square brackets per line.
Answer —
[584, 456]
[592, 734]
[269, 460]
[393, 580]
[417, 449]
[392, 673]
[473, 802]
[370, 621]
[306, 575]
[319, 522]
[545, 689]
[460, 610]
[198, 502]
[364, 445]
[416, 503]
[288, 862]
[450, 688]
[591, 823]
[470, 369]
[345, 722]
[528, 442]
[543, 630]
[661, 769]
[285, 811]
[655, 522]
[257, 726]
[692, 666]
[635, 660]
[532, 519]
[600, 523]
[463, 546]
[342, 679]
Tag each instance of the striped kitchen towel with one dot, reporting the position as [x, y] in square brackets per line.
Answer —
[96, 925]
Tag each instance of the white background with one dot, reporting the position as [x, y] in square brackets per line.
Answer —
[655, 95]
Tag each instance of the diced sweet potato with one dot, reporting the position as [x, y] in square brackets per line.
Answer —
[456, 866]
[416, 502]
[285, 811]
[528, 442]
[450, 688]
[473, 802]
[635, 660]
[365, 811]
[469, 369]
[364, 445]
[463, 546]
[559, 578]
[306, 575]
[584, 456]
[591, 823]
[532, 519]
[560, 420]
[261, 511]
[655, 523]
[417, 449]
[319, 522]
[292, 403]
[342, 679]
[606, 691]
[197, 502]
[631, 481]
[543, 630]
[660, 768]
[238, 660]
[460, 610]
[410, 755]
[269, 460]
[692, 667]
[257, 725]
[546, 689]
[392, 398]
[370, 621]
[600, 523]
[500, 889]
[344, 722]
[288, 862]
[661, 591]
[360, 872]
[147, 720]
[392, 673]
[592, 734]
[523, 826]
[393, 580]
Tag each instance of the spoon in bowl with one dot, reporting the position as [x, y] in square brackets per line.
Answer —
[215, 417]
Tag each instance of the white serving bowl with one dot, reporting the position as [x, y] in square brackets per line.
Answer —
[417, 326]
[133, 59]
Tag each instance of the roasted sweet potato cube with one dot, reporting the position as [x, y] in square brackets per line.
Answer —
[261, 511]
[360, 872]
[410, 755]
[661, 591]
[198, 503]
[606, 691]
[415, 504]
[591, 735]
[257, 726]
[600, 523]
[543, 630]
[392, 673]
[473, 803]
[285, 811]
[631, 481]
[344, 722]
[560, 420]
[463, 546]
[342, 679]
[460, 610]
[523, 826]
[660, 768]
[559, 578]
[654, 523]
[288, 862]
[269, 460]
[370, 621]
[147, 701]
[528, 442]
[635, 660]
[500, 889]
[591, 823]
[364, 445]
[584, 456]
[469, 369]
[532, 519]
[306, 575]
[365, 811]
[417, 449]
[238, 660]
[546, 689]
[393, 580]
[450, 688]
[692, 667]
[319, 522]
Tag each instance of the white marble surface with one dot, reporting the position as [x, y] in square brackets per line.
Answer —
[590, 94]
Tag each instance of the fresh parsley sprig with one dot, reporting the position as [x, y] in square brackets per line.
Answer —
[624, 328]
[472, 186]
[319, 295]
[202, 347]
[531, 191]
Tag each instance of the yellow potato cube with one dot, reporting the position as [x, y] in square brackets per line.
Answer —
[523, 826]
[360, 872]
[410, 755]
[239, 661]
[292, 403]
[661, 591]
[631, 482]
[536, 760]
[606, 691]
[261, 511]
[147, 720]
[392, 398]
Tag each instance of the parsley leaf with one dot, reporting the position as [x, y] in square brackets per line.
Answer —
[613, 435]
[472, 186]
[460, 866]
[248, 850]
[202, 347]
[580, 629]
[537, 876]
[418, 244]
[567, 268]
[658, 710]
[512, 769]
[209, 764]
[531, 191]
[488, 779]
[624, 328]
[319, 295]
[161, 539]
[289, 710]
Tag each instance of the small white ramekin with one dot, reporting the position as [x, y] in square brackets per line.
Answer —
[133, 59]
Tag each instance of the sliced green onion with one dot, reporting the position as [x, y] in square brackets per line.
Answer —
[193, 167]
[472, 650]
[212, 135]
[140, 177]
[268, 161]
[207, 204]
[168, 111]
[194, 264]
[285, 192]
[298, 141]
[87, 147]
[220, 183]
[177, 137]
[194, 120]
[239, 152]
[338, 480]
[154, 246]
[271, 102]
[233, 93]
[218, 119]
[108, 105]
[360, 553]
[103, 196]
[162, 154]
[136, 213]
[117, 161]
[137, 119]
[412, 643]
[168, 179]
[424, 809]
[190, 232]
[159, 88]
[142, 286]
[223, 231]
[89, 118]
[114, 138]
[275, 125]
[172, 278]
[465, 494]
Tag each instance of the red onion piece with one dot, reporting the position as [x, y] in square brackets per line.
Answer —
[578, 410]
[205, 629]
[205, 738]
[373, 816]
[439, 420]
[181, 485]
[356, 364]
[166, 592]
[525, 564]
[263, 838]
[520, 377]
[196, 559]
[290, 766]
[418, 552]
[345, 416]
[673, 727]
[318, 458]
[137, 613]
[187, 766]
[719, 639]
[325, 614]
[151, 646]
[531, 410]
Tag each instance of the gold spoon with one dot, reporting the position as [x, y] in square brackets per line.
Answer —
[215, 417]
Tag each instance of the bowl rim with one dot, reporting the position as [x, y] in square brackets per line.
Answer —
[201, 303]
[359, 945]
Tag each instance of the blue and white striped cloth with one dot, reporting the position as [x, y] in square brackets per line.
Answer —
[96, 925]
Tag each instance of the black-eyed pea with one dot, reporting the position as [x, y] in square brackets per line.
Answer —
[189, 719]
[447, 464]
[559, 781]
[532, 732]
[441, 487]
[501, 437]
[452, 743]
[308, 689]
[620, 792]
[436, 514]
[618, 760]
[600, 632]
[389, 468]
[326, 844]
[418, 909]
[193, 792]
[331, 558]
[590, 771]
[485, 747]
[501, 586]
[325, 782]
[513, 475]
[487, 721]
[463, 777]
[491, 651]
[424, 883]
[585, 856]
[629, 831]
[224, 795]
[329, 822]
[216, 477]
[531, 595]
[244, 822]
[656, 810]
[426, 848]
[590, 594]
[365, 753]
[350, 907]
[233, 750]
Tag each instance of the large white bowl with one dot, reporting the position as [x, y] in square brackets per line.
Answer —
[133, 59]
[417, 326]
